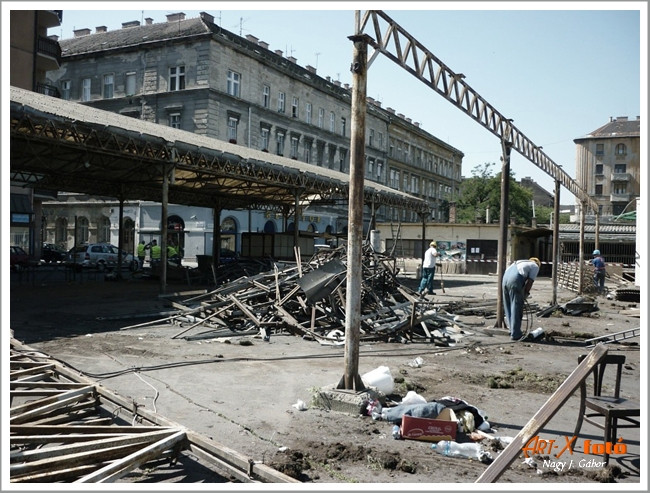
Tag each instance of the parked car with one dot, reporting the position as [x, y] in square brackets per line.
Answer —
[100, 256]
[19, 258]
[52, 253]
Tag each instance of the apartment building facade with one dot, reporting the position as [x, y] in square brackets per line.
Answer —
[193, 75]
[32, 55]
[608, 165]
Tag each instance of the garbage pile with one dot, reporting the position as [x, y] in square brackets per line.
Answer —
[308, 299]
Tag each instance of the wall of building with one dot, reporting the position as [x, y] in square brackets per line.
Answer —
[205, 105]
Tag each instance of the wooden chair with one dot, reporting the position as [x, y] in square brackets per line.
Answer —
[603, 406]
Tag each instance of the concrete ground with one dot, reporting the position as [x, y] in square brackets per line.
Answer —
[243, 392]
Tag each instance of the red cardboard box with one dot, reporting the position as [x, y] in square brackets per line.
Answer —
[444, 427]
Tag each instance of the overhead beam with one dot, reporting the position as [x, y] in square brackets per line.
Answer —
[394, 42]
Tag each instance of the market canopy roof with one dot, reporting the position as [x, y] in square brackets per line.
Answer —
[66, 146]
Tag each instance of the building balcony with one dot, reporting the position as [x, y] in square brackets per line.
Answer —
[50, 18]
[49, 53]
[618, 177]
[48, 90]
[621, 197]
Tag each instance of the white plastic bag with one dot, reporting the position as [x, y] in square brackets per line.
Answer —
[380, 379]
[412, 397]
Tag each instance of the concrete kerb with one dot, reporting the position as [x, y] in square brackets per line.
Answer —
[346, 401]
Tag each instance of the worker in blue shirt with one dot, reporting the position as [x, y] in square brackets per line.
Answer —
[599, 271]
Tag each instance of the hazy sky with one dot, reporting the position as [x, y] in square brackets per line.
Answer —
[560, 71]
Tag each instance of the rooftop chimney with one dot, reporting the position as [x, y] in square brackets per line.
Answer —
[126, 25]
[78, 33]
[148, 21]
[207, 18]
[100, 29]
[292, 59]
[278, 52]
[311, 69]
[263, 44]
[621, 118]
[178, 16]
[252, 38]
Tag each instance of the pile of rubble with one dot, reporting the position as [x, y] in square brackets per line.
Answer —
[308, 299]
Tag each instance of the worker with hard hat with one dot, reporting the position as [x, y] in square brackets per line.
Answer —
[428, 269]
[599, 271]
[517, 281]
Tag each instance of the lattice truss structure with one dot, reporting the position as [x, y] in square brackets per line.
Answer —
[65, 427]
[387, 37]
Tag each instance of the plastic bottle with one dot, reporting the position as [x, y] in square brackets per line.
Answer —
[537, 333]
[397, 434]
[454, 449]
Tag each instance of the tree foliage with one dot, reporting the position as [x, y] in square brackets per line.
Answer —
[482, 192]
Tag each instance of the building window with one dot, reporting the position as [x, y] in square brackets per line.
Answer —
[232, 129]
[380, 140]
[279, 144]
[600, 149]
[177, 78]
[294, 147]
[620, 168]
[61, 231]
[342, 154]
[265, 139]
[380, 167]
[266, 96]
[620, 188]
[394, 178]
[85, 90]
[294, 107]
[321, 117]
[307, 151]
[82, 230]
[108, 86]
[343, 122]
[331, 155]
[175, 120]
[308, 113]
[371, 166]
[415, 184]
[281, 103]
[320, 152]
[233, 83]
[66, 87]
[621, 150]
[332, 121]
[129, 83]
[371, 137]
[599, 190]
[104, 230]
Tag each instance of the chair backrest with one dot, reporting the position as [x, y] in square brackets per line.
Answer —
[599, 373]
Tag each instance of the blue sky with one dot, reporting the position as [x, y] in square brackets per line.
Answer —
[559, 71]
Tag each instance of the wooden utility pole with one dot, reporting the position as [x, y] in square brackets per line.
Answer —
[351, 378]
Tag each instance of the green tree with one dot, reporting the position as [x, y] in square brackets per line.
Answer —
[483, 191]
